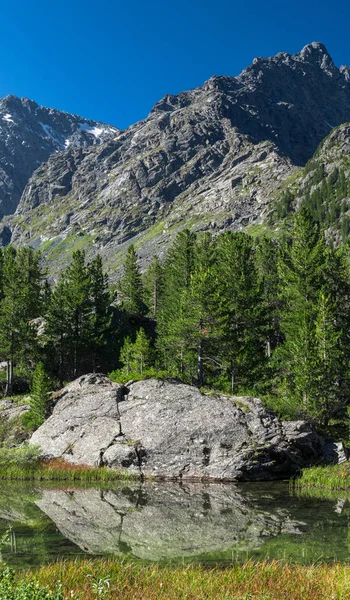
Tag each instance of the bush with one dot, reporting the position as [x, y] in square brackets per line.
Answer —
[10, 589]
[24, 457]
[120, 376]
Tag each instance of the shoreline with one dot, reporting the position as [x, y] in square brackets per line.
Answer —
[117, 580]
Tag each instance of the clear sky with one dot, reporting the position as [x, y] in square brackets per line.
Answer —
[111, 60]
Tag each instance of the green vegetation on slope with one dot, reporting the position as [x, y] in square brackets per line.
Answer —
[231, 313]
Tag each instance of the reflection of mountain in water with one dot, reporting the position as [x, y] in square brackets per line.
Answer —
[166, 521]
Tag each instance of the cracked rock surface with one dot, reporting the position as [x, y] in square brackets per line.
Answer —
[171, 430]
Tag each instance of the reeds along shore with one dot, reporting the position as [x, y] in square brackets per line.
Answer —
[118, 580]
[335, 477]
[59, 470]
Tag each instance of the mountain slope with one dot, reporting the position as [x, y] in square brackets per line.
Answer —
[29, 134]
[323, 186]
[210, 158]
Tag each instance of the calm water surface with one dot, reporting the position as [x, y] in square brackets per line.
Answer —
[170, 522]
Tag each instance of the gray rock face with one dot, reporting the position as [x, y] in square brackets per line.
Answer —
[211, 158]
[10, 411]
[29, 134]
[170, 430]
[11, 430]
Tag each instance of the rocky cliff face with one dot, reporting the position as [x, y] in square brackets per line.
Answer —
[210, 158]
[29, 134]
[171, 431]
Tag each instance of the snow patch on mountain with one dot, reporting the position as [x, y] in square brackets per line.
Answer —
[51, 134]
[8, 118]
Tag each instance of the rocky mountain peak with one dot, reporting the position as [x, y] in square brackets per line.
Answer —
[317, 54]
[30, 134]
[210, 158]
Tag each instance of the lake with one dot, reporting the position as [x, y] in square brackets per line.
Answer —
[165, 522]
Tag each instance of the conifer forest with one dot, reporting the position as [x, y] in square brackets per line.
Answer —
[230, 313]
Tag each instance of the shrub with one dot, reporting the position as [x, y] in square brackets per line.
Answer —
[120, 376]
[10, 589]
[24, 457]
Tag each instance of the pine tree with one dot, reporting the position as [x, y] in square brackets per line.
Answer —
[153, 286]
[176, 320]
[267, 252]
[302, 275]
[79, 308]
[327, 400]
[39, 397]
[131, 287]
[136, 357]
[241, 310]
[101, 316]
[58, 332]
[21, 303]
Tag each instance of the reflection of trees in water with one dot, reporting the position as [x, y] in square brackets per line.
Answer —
[28, 537]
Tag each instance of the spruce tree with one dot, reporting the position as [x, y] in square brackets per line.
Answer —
[302, 276]
[327, 400]
[101, 316]
[136, 357]
[153, 286]
[241, 310]
[58, 332]
[131, 287]
[175, 320]
[79, 308]
[21, 303]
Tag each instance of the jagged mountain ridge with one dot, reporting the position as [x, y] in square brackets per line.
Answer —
[210, 158]
[29, 134]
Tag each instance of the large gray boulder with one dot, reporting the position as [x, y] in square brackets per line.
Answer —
[173, 431]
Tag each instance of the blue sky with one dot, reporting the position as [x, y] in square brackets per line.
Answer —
[111, 60]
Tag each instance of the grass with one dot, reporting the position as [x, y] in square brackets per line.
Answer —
[59, 470]
[336, 477]
[119, 580]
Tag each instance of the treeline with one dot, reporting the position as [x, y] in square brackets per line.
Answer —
[227, 312]
[249, 316]
[66, 327]
[324, 195]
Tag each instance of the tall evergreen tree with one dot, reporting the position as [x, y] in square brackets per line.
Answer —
[175, 316]
[153, 286]
[21, 303]
[79, 305]
[241, 310]
[101, 316]
[302, 275]
[58, 332]
[131, 286]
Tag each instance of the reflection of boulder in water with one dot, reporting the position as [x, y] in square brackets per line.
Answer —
[164, 521]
